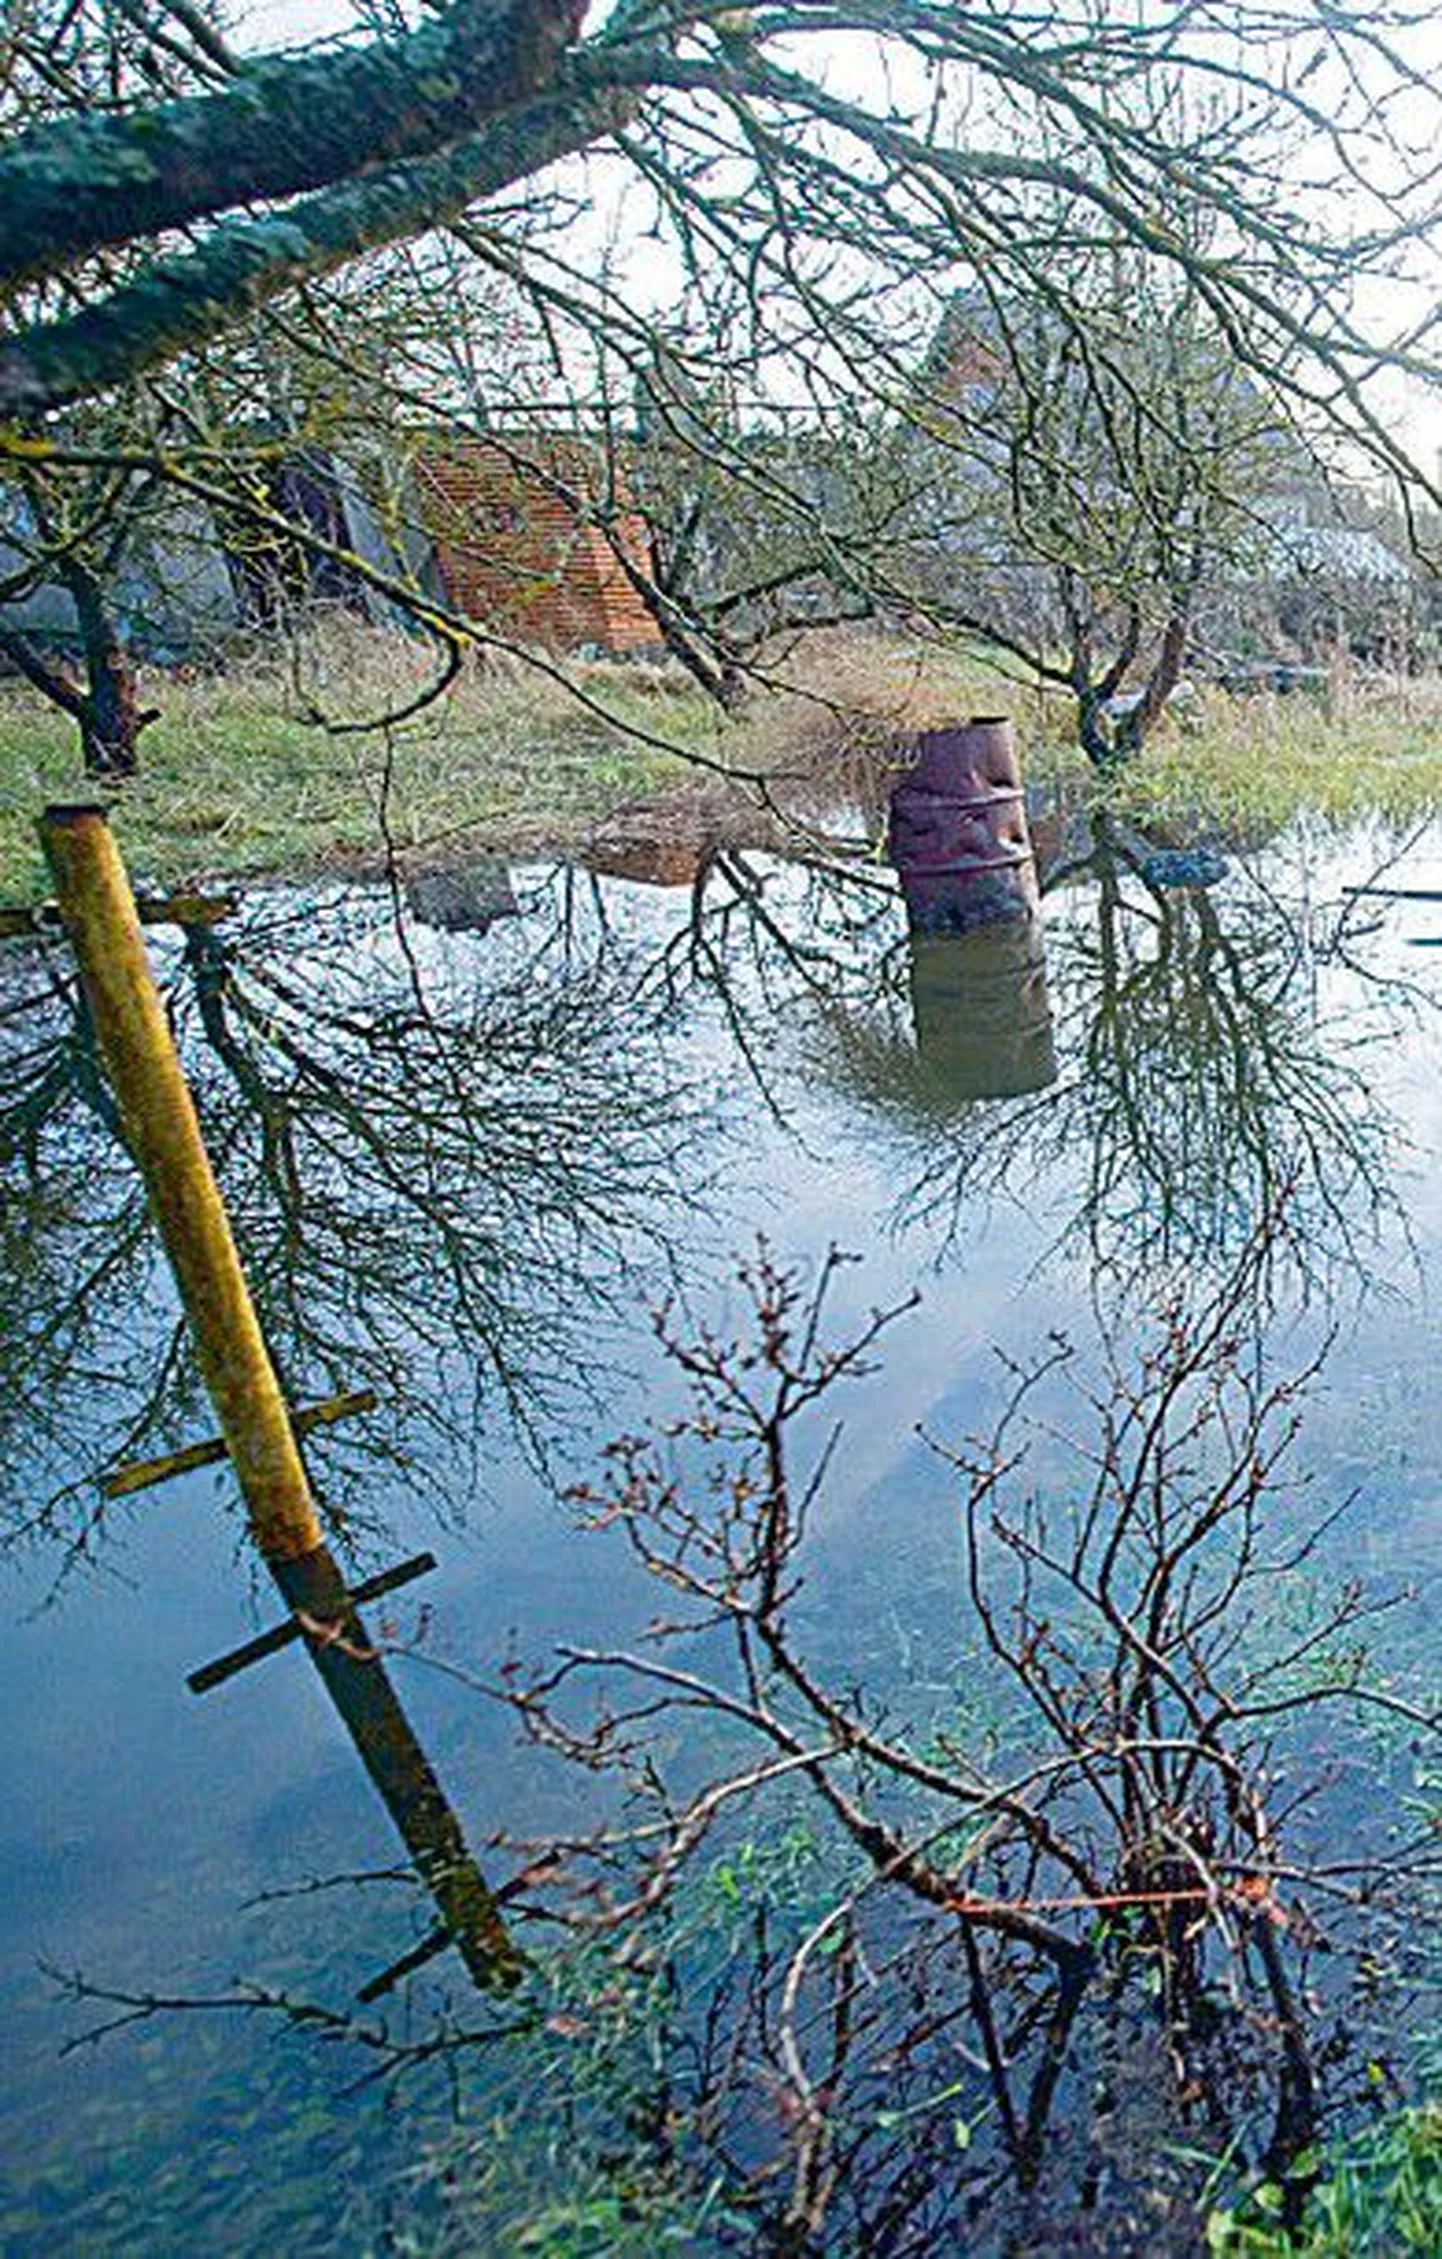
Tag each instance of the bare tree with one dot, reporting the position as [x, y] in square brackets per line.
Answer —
[816, 231]
[1081, 486]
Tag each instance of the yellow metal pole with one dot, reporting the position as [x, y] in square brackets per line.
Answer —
[158, 1118]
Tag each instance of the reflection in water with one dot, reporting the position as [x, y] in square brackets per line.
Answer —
[1111, 1920]
[980, 1949]
[261, 1438]
[1179, 1063]
[1201, 1085]
[974, 1022]
[435, 1183]
[1146, 1829]
[983, 1016]
[351, 1670]
[468, 899]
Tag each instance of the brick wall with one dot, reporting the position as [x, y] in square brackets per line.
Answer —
[518, 548]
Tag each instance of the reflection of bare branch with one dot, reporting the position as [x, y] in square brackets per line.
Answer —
[373, 1130]
[1201, 1089]
[393, 2055]
[1118, 1868]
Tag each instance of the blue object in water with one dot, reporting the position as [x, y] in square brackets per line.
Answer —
[1183, 866]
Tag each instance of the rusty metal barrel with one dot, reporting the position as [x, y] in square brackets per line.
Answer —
[962, 849]
[958, 837]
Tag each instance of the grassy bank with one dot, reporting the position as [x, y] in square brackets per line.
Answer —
[237, 778]
[240, 777]
[1366, 745]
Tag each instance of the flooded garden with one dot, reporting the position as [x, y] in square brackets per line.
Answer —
[894, 1490]
[719, 1488]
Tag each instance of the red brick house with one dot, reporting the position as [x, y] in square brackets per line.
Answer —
[519, 542]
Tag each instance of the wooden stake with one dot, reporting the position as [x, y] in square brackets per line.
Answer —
[158, 1119]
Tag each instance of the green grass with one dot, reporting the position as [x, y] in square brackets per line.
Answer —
[232, 783]
[237, 781]
[1382, 2196]
[1248, 765]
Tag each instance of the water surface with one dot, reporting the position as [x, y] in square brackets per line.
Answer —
[472, 1138]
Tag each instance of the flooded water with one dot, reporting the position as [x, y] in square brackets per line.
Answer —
[1011, 1832]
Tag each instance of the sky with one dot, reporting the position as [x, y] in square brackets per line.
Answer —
[1410, 406]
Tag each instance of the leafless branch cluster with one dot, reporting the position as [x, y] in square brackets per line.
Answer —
[916, 1959]
[1138, 1603]
[800, 198]
[375, 1125]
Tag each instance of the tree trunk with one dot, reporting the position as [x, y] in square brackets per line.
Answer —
[288, 123]
[106, 708]
[109, 712]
